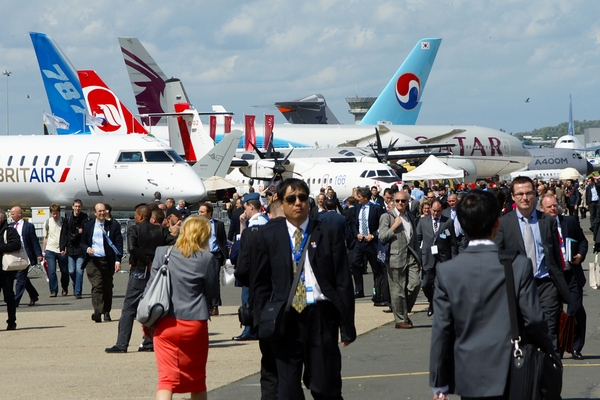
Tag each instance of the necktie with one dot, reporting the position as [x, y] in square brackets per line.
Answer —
[435, 225]
[299, 300]
[529, 244]
[363, 221]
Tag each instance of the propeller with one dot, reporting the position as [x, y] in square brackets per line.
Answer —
[380, 149]
[278, 165]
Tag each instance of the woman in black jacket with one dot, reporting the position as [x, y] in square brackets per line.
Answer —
[9, 241]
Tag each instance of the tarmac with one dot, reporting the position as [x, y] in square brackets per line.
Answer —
[57, 352]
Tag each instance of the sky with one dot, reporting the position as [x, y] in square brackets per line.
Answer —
[493, 56]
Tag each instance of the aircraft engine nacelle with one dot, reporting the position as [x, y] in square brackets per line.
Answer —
[463, 163]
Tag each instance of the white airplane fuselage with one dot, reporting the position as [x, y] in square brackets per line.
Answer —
[122, 170]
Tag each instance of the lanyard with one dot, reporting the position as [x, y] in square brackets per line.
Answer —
[299, 253]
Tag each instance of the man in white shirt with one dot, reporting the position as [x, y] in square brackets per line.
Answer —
[51, 250]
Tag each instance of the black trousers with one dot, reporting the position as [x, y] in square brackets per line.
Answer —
[7, 279]
[552, 307]
[593, 206]
[133, 295]
[216, 301]
[24, 284]
[100, 275]
[310, 341]
[576, 309]
[368, 250]
[269, 381]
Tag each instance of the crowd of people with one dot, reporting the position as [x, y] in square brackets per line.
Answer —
[413, 239]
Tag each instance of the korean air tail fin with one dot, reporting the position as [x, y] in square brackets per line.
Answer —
[399, 103]
[103, 103]
[63, 89]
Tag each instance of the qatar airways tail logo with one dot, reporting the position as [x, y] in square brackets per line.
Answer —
[408, 90]
[104, 104]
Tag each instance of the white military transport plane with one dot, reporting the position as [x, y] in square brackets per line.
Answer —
[122, 170]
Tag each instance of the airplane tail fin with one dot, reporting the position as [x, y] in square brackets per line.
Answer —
[571, 128]
[103, 103]
[146, 77]
[63, 89]
[399, 102]
[218, 160]
[196, 142]
[311, 109]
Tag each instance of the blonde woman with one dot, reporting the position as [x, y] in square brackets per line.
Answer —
[181, 337]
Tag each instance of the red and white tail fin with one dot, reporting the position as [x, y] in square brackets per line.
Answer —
[103, 103]
[196, 142]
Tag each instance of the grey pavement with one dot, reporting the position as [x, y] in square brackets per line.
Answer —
[57, 352]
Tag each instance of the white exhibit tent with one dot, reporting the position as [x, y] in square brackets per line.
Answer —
[433, 168]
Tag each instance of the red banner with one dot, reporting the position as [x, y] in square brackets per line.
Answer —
[227, 123]
[213, 127]
[269, 123]
[250, 132]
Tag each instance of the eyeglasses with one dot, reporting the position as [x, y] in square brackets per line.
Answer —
[520, 195]
[291, 199]
[400, 200]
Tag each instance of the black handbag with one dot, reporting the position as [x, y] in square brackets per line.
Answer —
[272, 321]
[534, 374]
[245, 315]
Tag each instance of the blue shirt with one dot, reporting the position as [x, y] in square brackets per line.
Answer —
[540, 257]
[98, 240]
[365, 209]
[212, 242]
[417, 194]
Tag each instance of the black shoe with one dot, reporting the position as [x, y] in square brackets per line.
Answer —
[32, 302]
[577, 355]
[389, 310]
[145, 349]
[78, 296]
[359, 295]
[430, 310]
[380, 304]
[115, 349]
[107, 317]
[11, 326]
[97, 317]
[243, 338]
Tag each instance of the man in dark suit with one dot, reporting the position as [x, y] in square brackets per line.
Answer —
[103, 243]
[526, 225]
[234, 223]
[569, 228]
[365, 234]
[333, 218]
[320, 206]
[438, 244]
[31, 244]
[470, 323]
[218, 247]
[10, 243]
[323, 305]
[142, 240]
[450, 212]
[443, 196]
[592, 195]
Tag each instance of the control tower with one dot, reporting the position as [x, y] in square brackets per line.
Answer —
[359, 106]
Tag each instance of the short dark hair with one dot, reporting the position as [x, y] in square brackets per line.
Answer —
[294, 184]
[477, 213]
[78, 201]
[209, 207]
[54, 207]
[500, 196]
[329, 205]
[108, 207]
[520, 180]
[363, 191]
[159, 215]
[388, 190]
[254, 203]
[351, 200]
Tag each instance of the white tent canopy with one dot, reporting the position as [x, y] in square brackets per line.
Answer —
[433, 168]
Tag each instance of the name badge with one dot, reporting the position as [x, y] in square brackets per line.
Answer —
[434, 250]
[310, 295]
[442, 235]
[447, 232]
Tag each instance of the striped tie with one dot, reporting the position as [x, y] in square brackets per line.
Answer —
[529, 242]
[299, 300]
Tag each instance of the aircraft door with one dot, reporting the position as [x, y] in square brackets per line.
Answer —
[90, 175]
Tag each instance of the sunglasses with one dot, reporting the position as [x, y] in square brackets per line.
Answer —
[291, 199]
[400, 200]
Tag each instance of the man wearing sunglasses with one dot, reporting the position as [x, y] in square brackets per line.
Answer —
[399, 229]
[323, 302]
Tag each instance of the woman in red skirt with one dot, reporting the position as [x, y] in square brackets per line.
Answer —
[181, 337]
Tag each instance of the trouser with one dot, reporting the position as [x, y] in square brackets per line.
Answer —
[310, 340]
[427, 282]
[23, 284]
[76, 272]
[216, 301]
[593, 206]
[133, 295]
[248, 329]
[552, 307]
[576, 309]
[381, 288]
[404, 289]
[594, 273]
[7, 279]
[268, 372]
[100, 275]
[54, 258]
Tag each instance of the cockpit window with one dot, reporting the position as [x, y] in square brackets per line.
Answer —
[130, 156]
[383, 172]
[157, 156]
[363, 174]
[371, 174]
[175, 156]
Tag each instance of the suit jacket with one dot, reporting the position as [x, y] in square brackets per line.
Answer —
[335, 219]
[142, 241]
[509, 237]
[588, 192]
[400, 248]
[446, 212]
[113, 230]
[470, 323]
[415, 208]
[69, 235]
[447, 246]
[561, 197]
[221, 238]
[234, 225]
[375, 212]
[329, 261]
[31, 242]
[571, 229]
[315, 213]
[196, 279]
[350, 214]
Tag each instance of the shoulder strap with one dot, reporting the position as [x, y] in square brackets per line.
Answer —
[168, 256]
[288, 305]
[507, 257]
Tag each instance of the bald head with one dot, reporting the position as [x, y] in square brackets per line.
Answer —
[16, 213]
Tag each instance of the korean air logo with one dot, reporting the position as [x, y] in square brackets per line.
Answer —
[104, 104]
[408, 89]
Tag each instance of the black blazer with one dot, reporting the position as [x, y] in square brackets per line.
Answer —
[31, 242]
[571, 229]
[142, 241]
[333, 218]
[329, 261]
[113, 230]
[221, 237]
[234, 224]
[588, 192]
[13, 240]
[509, 237]
[375, 212]
[69, 235]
